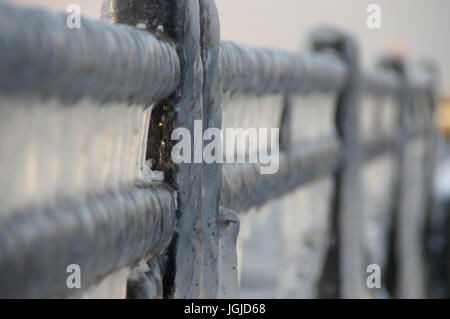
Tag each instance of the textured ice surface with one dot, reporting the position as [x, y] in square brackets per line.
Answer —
[242, 111]
[283, 244]
[50, 150]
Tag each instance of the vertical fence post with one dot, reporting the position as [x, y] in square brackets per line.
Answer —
[147, 280]
[211, 172]
[184, 259]
[406, 262]
[348, 192]
[228, 227]
[435, 221]
[391, 273]
[190, 266]
[178, 22]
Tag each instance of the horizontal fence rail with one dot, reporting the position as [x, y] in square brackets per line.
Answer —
[172, 71]
[267, 71]
[244, 186]
[102, 233]
[42, 56]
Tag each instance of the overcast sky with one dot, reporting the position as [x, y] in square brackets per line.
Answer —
[420, 26]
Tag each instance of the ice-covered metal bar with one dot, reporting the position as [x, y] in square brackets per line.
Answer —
[74, 105]
[381, 81]
[244, 186]
[245, 69]
[101, 233]
[41, 56]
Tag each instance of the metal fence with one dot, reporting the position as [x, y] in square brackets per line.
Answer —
[85, 132]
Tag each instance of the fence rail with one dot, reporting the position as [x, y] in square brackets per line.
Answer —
[137, 86]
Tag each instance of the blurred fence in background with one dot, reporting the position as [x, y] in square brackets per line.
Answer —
[86, 122]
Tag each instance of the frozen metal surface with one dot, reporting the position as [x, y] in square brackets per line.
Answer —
[183, 23]
[378, 117]
[214, 231]
[49, 149]
[85, 142]
[260, 238]
[114, 286]
[306, 212]
[186, 254]
[228, 229]
[378, 197]
[244, 187]
[42, 57]
[411, 280]
[100, 232]
[291, 235]
[145, 280]
[238, 111]
[312, 118]
[291, 232]
[305, 237]
[193, 27]
[346, 254]
[75, 116]
[381, 82]
[263, 71]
